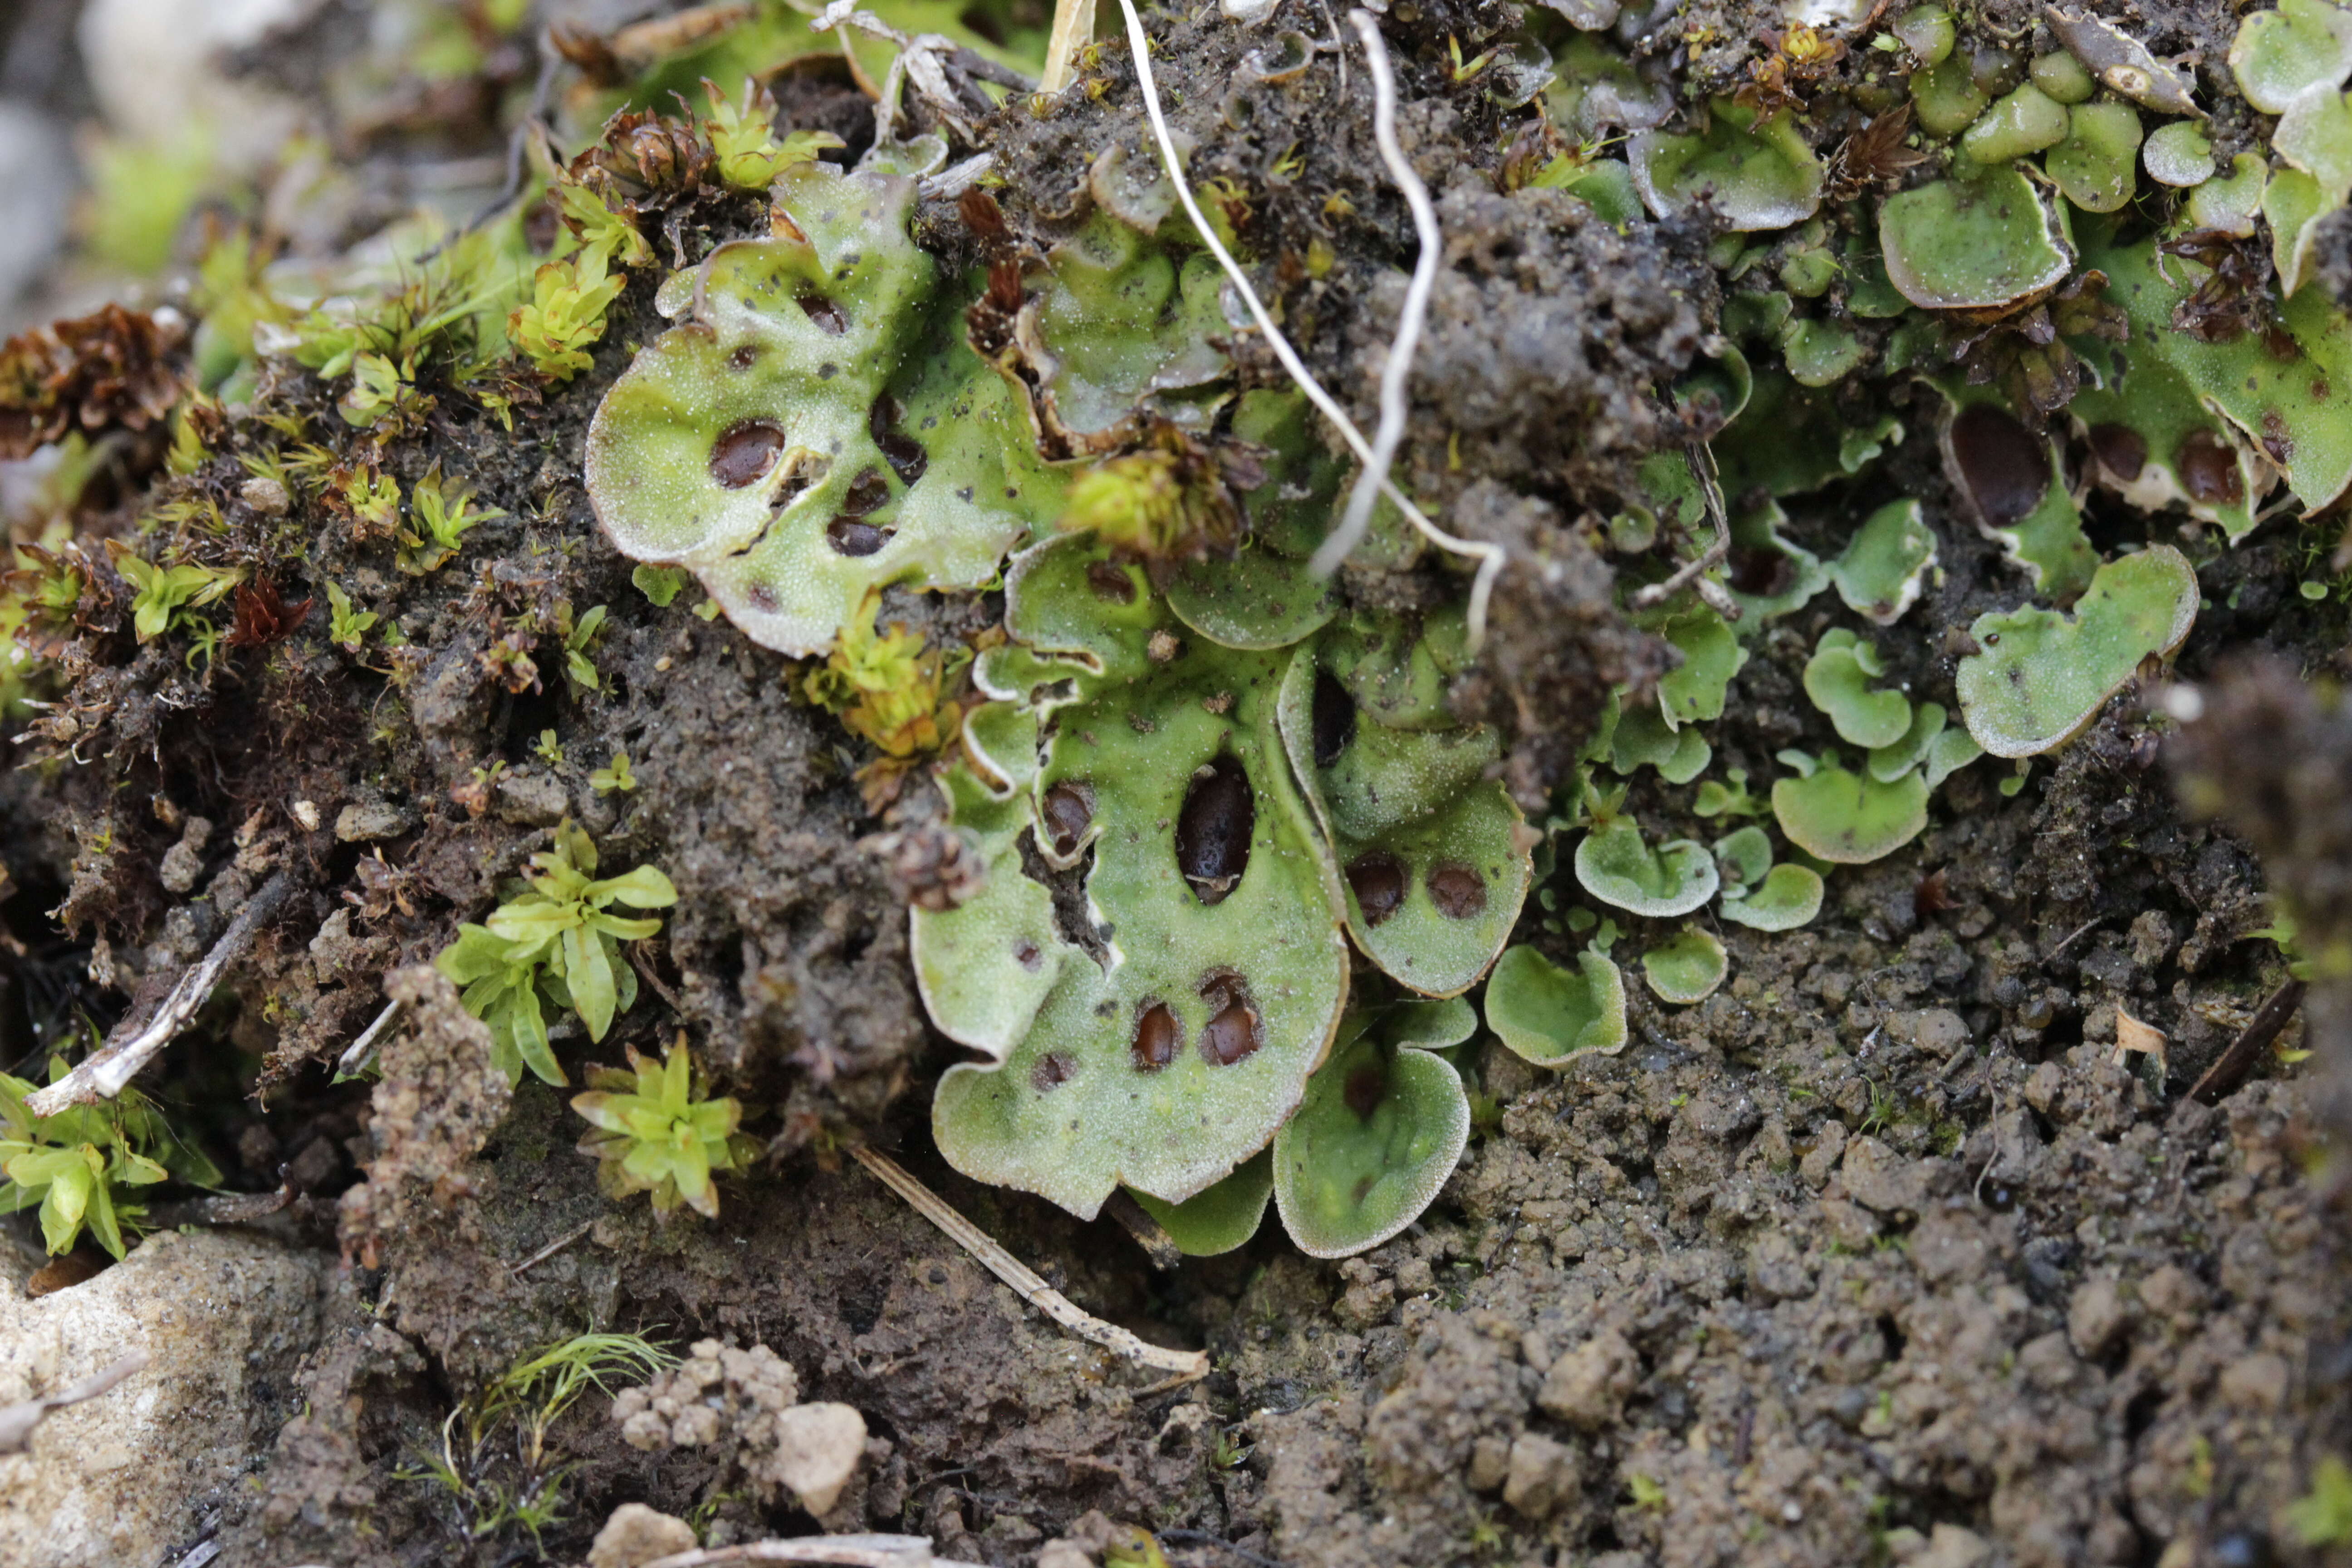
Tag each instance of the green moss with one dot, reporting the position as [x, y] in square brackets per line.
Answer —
[556, 943]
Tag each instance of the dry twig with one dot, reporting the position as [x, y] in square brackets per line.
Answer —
[17, 1421]
[2230, 1069]
[1189, 1364]
[104, 1073]
[847, 1551]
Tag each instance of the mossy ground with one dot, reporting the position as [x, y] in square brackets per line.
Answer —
[1889, 1241]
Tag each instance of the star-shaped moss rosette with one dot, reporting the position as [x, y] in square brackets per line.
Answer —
[1428, 847]
[813, 427]
[1165, 1044]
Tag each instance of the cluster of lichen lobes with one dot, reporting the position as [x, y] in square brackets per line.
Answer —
[809, 429]
[1232, 815]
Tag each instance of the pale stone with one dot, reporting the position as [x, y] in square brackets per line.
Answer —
[636, 1535]
[818, 1450]
[116, 1481]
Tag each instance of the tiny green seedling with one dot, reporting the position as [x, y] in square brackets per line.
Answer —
[440, 515]
[654, 1135]
[79, 1163]
[579, 639]
[347, 627]
[560, 941]
[163, 595]
[614, 776]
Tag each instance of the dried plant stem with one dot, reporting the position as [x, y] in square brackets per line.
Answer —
[356, 1054]
[1490, 557]
[847, 1551]
[103, 1073]
[2230, 1069]
[1692, 574]
[17, 1421]
[1074, 28]
[1024, 1280]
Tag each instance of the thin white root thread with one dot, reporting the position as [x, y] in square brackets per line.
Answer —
[1188, 1365]
[1398, 368]
[1490, 557]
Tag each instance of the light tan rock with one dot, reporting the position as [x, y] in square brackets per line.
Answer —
[116, 1481]
[1542, 1476]
[817, 1449]
[1586, 1385]
[636, 1535]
